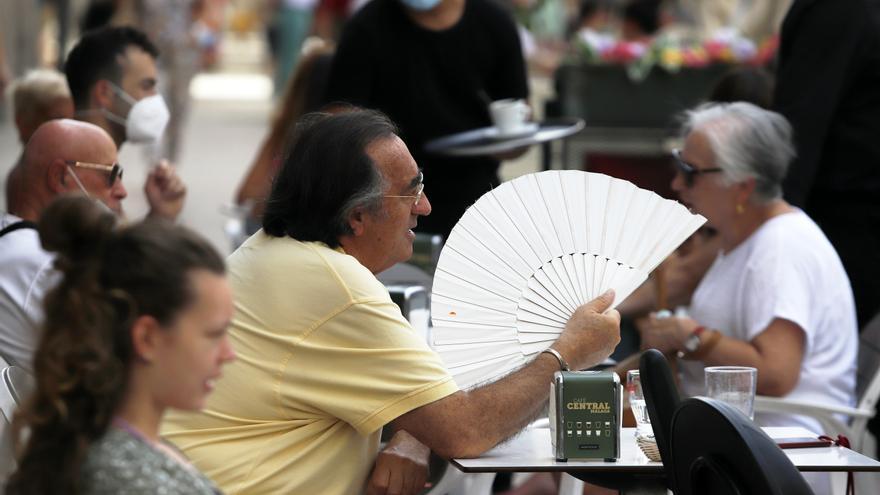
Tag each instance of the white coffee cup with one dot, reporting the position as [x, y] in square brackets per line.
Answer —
[509, 116]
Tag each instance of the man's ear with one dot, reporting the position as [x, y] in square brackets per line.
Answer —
[356, 221]
[101, 94]
[57, 179]
[146, 338]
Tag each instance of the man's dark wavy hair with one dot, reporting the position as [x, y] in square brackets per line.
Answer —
[326, 174]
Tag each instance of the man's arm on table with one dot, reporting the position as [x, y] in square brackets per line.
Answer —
[401, 467]
[466, 424]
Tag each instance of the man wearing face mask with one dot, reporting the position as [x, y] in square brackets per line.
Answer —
[113, 80]
[433, 66]
[62, 156]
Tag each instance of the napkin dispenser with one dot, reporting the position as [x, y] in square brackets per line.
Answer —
[585, 415]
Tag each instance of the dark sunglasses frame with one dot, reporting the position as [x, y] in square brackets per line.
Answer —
[688, 171]
[115, 171]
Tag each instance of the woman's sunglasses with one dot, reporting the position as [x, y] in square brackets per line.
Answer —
[688, 171]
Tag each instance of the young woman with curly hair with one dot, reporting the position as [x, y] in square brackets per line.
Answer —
[136, 326]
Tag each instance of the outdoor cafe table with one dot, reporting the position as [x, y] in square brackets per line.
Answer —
[531, 451]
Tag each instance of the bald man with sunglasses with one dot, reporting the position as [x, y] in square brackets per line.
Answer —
[62, 157]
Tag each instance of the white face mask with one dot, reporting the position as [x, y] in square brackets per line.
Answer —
[146, 120]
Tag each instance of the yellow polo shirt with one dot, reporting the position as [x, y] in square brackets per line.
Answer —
[325, 359]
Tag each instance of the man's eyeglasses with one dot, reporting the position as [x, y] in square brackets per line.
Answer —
[688, 171]
[417, 196]
[114, 171]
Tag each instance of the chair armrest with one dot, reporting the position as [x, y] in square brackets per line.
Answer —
[776, 404]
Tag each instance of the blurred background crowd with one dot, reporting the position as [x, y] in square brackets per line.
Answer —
[225, 65]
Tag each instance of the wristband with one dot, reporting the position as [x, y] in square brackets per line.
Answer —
[712, 339]
[562, 364]
[692, 342]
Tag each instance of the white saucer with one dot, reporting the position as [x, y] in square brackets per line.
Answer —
[526, 129]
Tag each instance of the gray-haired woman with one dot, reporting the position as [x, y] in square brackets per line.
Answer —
[777, 297]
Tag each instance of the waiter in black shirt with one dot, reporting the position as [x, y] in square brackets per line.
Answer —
[433, 66]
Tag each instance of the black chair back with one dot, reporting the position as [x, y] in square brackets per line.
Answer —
[716, 449]
[662, 399]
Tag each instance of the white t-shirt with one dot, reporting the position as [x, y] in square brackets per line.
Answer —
[26, 273]
[786, 269]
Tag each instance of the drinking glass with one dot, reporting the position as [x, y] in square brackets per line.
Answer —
[637, 403]
[734, 385]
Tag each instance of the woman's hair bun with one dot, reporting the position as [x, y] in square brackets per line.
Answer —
[76, 227]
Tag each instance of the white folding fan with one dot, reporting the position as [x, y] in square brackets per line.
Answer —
[528, 253]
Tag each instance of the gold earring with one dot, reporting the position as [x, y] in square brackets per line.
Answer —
[740, 209]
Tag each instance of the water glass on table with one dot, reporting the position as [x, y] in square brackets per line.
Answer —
[734, 385]
[637, 403]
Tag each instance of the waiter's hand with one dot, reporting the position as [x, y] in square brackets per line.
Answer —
[512, 154]
[401, 467]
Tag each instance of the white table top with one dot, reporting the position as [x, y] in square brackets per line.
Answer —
[531, 451]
